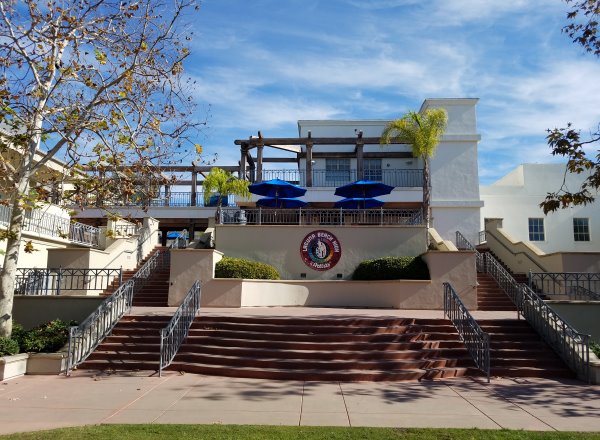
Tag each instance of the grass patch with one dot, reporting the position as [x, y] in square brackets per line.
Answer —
[248, 432]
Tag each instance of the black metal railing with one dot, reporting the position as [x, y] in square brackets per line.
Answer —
[40, 222]
[34, 281]
[464, 244]
[574, 285]
[504, 279]
[173, 335]
[125, 229]
[399, 178]
[475, 339]
[573, 347]
[84, 338]
[269, 216]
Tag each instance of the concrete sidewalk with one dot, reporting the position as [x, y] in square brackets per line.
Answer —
[45, 402]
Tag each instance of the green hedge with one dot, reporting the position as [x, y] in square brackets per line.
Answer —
[241, 268]
[8, 346]
[392, 268]
[45, 338]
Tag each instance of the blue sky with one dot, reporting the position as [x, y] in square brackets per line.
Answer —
[264, 64]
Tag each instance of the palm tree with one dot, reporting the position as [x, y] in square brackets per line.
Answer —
[423, 132]
[224, 183]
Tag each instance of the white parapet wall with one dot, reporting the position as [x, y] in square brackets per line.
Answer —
[457, 268]
[281, 246]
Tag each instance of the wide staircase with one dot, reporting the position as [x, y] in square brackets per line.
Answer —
[328, 349]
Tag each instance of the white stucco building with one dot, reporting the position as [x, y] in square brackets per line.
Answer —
[515, 198]
[455, 200]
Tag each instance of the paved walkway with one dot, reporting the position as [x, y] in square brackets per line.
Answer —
[45, 402]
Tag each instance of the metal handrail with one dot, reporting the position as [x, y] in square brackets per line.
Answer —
[173, 335]
[576, 285]
[85, 337]
[53, 281]
[505, 280]
[573, 347]
[40, 222]
[125, 229]
[310, 216]
[463, 243]
[475, 339]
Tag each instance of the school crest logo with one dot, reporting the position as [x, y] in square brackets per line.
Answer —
[320, 250]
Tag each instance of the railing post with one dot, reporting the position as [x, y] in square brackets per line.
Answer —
[59, 281]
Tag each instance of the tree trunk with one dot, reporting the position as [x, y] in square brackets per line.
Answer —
[15, 228]
[9, 268]
[426, 192]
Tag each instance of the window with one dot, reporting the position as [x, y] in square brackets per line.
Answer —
[337, 170]
[372, 168]
[536, 229]
[581, 229]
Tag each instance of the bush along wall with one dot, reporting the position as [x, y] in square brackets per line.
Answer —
[230, 267]
[45, 338]
[392, 268]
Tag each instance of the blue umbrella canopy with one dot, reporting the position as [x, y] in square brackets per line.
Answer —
[358, 203]
[280, 202]
[363, 189]
[277, 188]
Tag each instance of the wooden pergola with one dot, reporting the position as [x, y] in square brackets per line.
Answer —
[295, 145]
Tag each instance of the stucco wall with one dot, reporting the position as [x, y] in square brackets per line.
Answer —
[187, 266]
[516, 197]
[280, 246]
[39, 257]
[457, 268]
[583, 316]
[31, 311]
[523, 256]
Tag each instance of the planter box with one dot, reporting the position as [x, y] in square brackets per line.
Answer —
[13, 366]
[46, 363]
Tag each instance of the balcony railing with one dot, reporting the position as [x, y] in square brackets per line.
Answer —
[40, 222]
[574, 285]
[34, 281]
[379, 217]
[400, 178]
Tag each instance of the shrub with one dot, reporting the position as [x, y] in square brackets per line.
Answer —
[241, 268]
[595, 347]
[8, 346]
[45, 338]
[392, 268]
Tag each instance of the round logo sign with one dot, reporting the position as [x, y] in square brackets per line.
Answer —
[320, 250]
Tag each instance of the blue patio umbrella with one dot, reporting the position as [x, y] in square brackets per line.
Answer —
[363, 189]
[280, 202]
[277, 188]
[359, 203]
